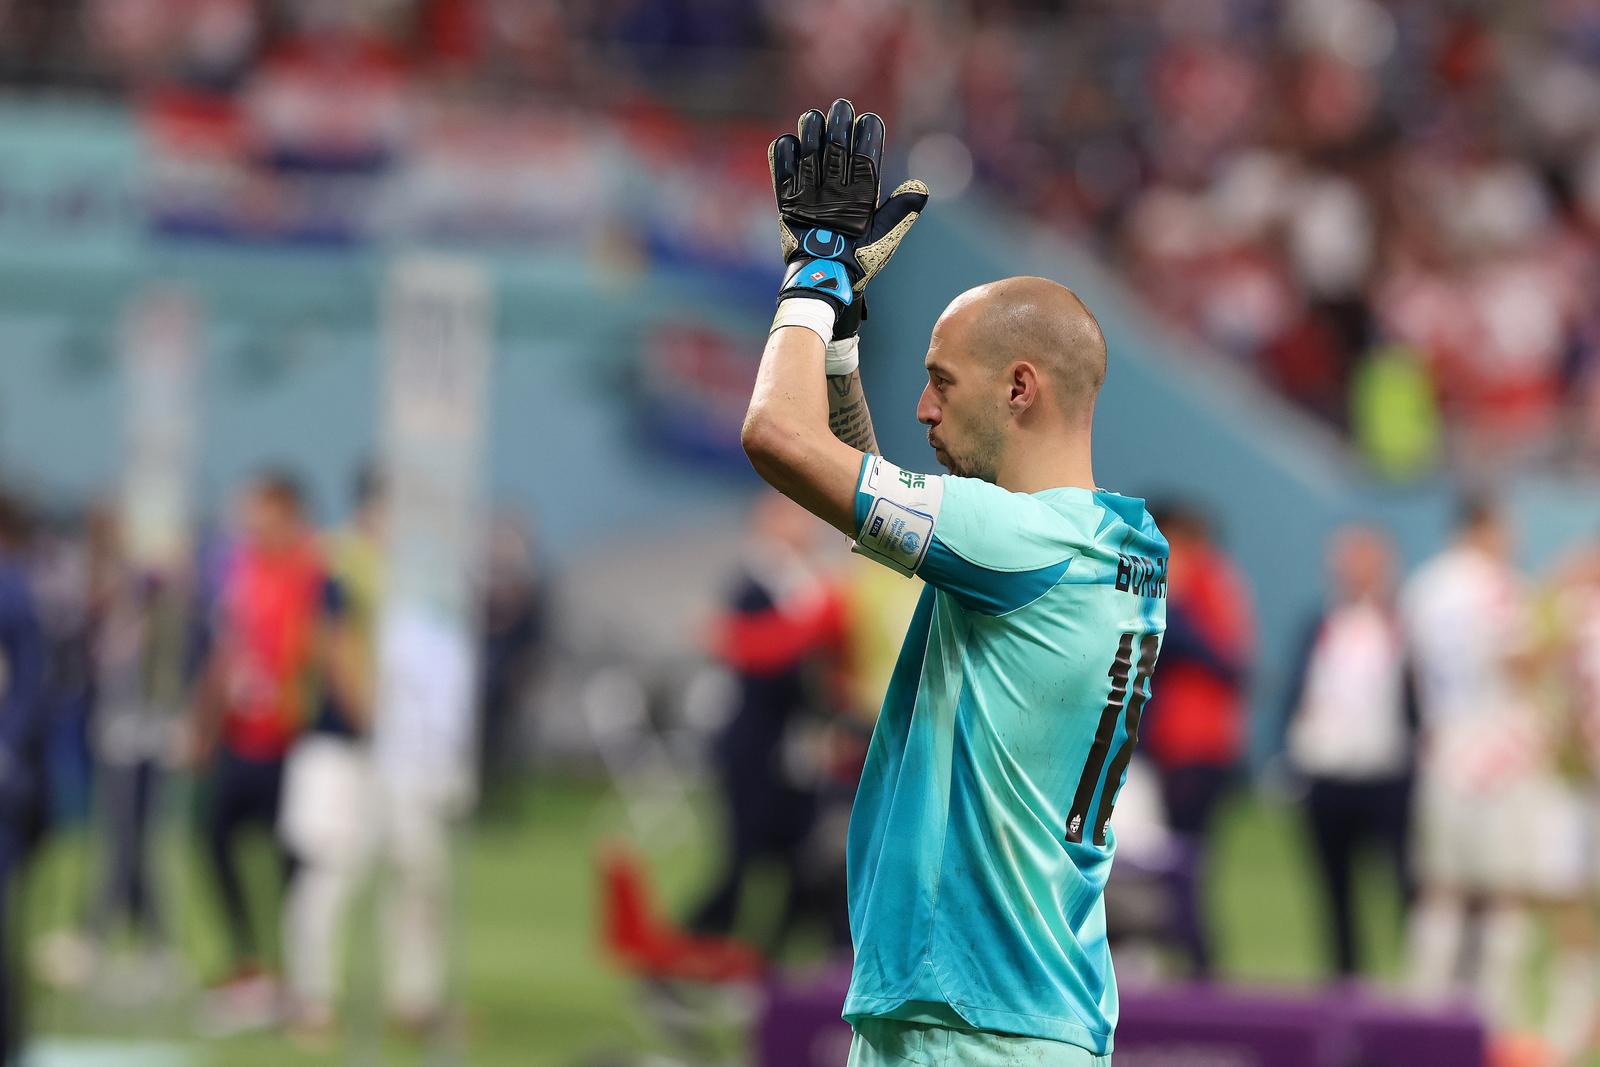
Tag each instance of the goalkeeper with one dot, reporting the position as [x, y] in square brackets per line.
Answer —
[979, 844]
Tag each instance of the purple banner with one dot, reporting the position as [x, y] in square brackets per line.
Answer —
[1186, 1026]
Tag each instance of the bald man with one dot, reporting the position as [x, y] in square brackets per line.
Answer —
[979, 847]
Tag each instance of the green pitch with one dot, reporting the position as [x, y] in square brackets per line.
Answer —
[535, 988]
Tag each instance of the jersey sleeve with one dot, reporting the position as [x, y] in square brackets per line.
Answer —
[993, 550]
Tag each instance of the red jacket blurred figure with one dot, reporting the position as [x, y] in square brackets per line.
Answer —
[1194, 728]
[253, 697]
[781, 637]
[1203, 665]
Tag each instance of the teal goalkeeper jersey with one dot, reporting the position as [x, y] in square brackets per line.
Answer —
[979, 845]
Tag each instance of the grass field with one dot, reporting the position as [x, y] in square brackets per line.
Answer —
[537, 993]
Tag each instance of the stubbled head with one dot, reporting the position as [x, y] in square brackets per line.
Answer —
[369, 494]
[273, 510]
[1361, 563]
[777, 519]
[1482, 524]
[16, 522]
[1011, 364]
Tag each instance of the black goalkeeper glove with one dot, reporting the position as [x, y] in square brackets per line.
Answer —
[835, 235]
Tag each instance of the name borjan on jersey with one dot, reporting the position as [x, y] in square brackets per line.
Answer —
[1142, 576]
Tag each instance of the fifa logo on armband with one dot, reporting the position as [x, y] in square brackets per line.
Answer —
[913, 481]
[1141, 576]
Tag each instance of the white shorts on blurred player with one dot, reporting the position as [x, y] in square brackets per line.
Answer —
[339, 819]
[1532, 837]
[1466, 620]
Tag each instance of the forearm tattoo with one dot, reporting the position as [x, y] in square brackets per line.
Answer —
[848, 416]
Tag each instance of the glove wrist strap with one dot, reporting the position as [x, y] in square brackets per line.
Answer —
[809, 312]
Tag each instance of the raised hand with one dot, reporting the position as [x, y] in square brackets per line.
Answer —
[834, 234]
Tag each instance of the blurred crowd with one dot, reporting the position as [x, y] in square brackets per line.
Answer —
[1384, 209]
[1442, 731]
[251, 671]
[1440, 741]
[232, 700]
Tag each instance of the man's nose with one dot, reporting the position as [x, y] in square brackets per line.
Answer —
[927, 409]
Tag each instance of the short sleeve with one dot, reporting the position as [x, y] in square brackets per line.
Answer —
[993, 550]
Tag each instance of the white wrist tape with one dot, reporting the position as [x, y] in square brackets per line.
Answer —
[842, 357]
[810, 312]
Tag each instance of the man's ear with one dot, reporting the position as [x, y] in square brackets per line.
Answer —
[1024, 386]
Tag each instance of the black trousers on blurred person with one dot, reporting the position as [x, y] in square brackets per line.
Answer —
[766, 820]
[13, 850]
[770, 818]
[129, 893]
[1346, 817]
[244, 793]
[1191, 796]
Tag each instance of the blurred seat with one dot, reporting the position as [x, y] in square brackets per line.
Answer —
[650, 948]
[699, 994]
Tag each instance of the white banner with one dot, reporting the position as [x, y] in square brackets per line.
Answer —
[437, 357]
[160, 369]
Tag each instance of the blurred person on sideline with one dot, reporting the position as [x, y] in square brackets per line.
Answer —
[144, 648]
[23, 713]
[979, 842]
[258, 675]
[1469, 630]
[780, 635]
[61, 586]
[515, 606]
[69, 587]
[1352, 729]
[343, 818]
[330, 818]
[878, 607]
[133, 630]
[1564, 795]
[65, 586]
[1195, 731]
